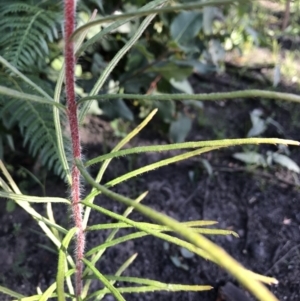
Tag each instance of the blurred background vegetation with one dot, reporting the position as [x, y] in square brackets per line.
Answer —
[254, 40]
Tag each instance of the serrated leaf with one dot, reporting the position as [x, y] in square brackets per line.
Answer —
[186, 26]
[208, 17]
[277, 75]
[180, 128]
[251, 158]
[137, 84]
[186, 253]
[216, 51]
[176, 261]
[258, 124]
[98, 64]
[209, 14]
[94, 108]
[166, 246]
[116, 108]
[197, 104]
[202, 68]
[10, 142]
[172, 70]
[10, 206]
[144, 51]
[183, 86]
[285, 161]
[166, 110]
[253, 34]
[207, 166]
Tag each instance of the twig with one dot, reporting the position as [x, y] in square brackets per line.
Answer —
[286, 17]
[282, 258]
[257, 173]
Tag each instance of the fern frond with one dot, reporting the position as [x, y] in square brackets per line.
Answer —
[35, 121]
[25, 30]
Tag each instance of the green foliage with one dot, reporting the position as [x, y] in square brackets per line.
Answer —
[179, 45]
[35, 122]
[173, 72]
[26, 29]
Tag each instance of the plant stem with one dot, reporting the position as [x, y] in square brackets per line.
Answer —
[201, 96]
[139, 13]
[70, 6]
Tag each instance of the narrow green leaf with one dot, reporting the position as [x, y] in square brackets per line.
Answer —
[119, 272]
[25, 78]
[105, 164]
[159, 164]
[11, 293]
[174, 288]
[116, 241]
[24, 96]
[32, 199]
[136, 235]
[151, 286]
[62, 257]
[152, 226]
[218, 254]
[104, 280]
[158, 284]
[42, 221]
[49, 292]
[146, 229]
[109, 238]
[192, 144]
[56, 113]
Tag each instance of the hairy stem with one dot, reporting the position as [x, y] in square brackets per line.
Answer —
[70, 61]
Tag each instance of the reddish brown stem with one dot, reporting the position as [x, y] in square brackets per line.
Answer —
[286, 17]
[70, 61]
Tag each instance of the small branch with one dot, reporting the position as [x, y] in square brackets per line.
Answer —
[170, 8]
[286, 17]
[31, 97]
[284, 257]
[203, 96]
[256, 173]
[153, 85]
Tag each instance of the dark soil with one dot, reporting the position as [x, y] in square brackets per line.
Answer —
[261, 206]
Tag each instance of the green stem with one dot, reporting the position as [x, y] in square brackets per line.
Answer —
[192, 144]
[203, 96]
[190, 6]
[31, 97]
